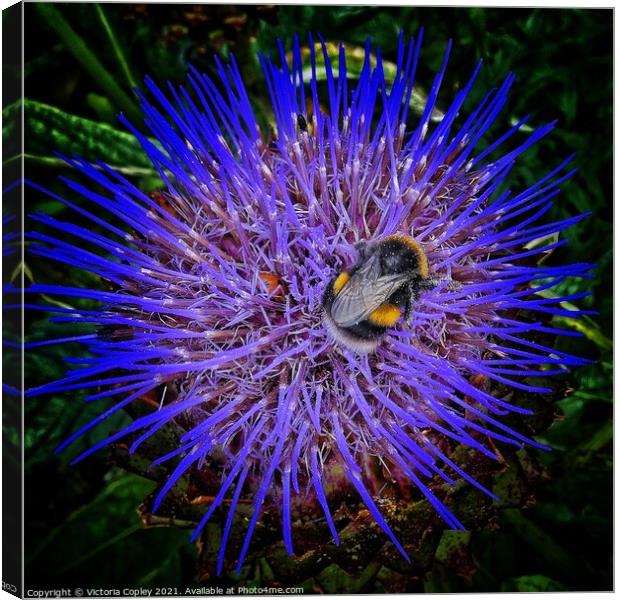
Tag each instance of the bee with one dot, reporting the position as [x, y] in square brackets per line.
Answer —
[360, 304]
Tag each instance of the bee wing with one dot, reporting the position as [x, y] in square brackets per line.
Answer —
[365, 291]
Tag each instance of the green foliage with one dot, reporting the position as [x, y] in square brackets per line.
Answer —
[86, 57]
[533, 583]
[109, 547]
[48, 129]
[82, 61]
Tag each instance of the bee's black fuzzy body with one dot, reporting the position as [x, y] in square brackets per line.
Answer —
[363, 302]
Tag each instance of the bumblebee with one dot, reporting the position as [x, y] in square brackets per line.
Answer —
[362, 303]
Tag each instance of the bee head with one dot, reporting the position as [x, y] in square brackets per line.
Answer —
[398, 257]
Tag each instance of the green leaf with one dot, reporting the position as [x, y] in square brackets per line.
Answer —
[452, 543]
[102, 107]
[588, 327]
[335, 580]
[535, 583]
[83, 54]
[585, 325]
[539, 540]
[48, 129]
[603, 436]
[105, 537]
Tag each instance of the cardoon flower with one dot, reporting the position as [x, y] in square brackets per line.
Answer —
[215, 285]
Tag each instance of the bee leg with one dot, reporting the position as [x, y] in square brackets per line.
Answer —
[418, 287]
[412, 295]
[429, 284]
[451, 285]
[408, 311]
[432, 282]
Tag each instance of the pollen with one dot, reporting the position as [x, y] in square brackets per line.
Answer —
[385, 316]
[272, 283]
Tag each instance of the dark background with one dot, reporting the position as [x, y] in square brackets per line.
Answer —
[83, 59]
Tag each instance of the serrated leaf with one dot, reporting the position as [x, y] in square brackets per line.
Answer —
[151, 180]
[48, 129]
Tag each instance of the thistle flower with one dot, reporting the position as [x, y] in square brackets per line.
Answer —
[216, 284]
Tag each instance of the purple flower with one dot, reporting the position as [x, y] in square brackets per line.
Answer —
[216, 283]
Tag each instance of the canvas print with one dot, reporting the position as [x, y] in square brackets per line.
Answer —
[306, 299]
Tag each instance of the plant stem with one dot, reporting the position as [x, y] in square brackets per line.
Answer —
[116, 46]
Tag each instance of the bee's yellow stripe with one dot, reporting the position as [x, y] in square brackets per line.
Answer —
[415, 246]
[340, 282]
[385, 316]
